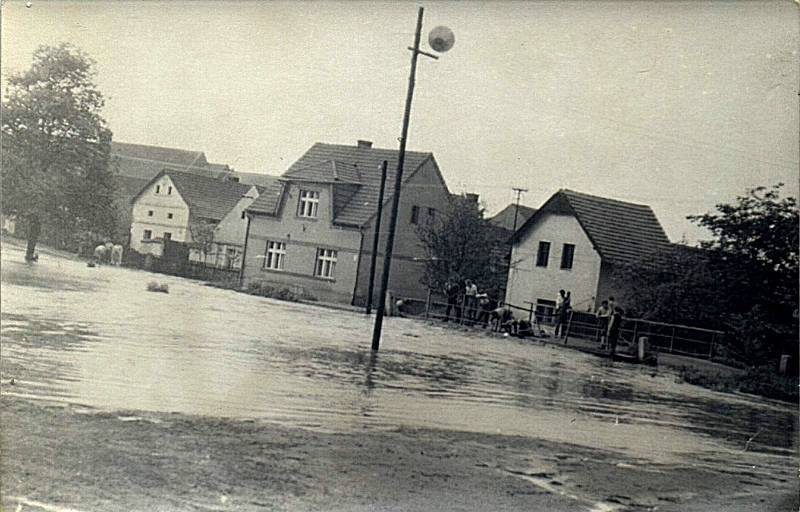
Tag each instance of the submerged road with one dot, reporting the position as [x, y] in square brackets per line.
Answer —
[91, 351]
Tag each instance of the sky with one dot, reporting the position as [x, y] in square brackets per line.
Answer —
[678, 105]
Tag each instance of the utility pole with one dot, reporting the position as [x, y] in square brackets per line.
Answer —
[441, 40]
[375, 237]
[519, 192]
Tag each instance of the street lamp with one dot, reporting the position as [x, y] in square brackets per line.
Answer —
[441, 39]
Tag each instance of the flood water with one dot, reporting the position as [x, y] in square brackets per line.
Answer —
[95, 338]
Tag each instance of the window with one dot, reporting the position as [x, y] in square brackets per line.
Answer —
[414, 214]
[169, 215]
[326, 263]
[147, 235]
[167, 235]
[169, 191]
[567, 253]
[274, 255]
[544, 254]
[244, 213]
[431, 213]
[158, 189]
[149, 213]
[309, 203]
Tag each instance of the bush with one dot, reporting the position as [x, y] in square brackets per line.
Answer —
[760, 380]
[264, 290]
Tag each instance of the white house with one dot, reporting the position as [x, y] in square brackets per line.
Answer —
[174, 203]
[573, 242]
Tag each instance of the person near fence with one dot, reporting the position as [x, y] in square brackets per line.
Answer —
[116, 255]
[603, 314]
[453, 291]
[563, 307]
[614, 324]
[470, 299]
[486, 305]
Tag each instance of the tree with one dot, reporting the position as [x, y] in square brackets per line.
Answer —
[461, 244]
[203, 237]
[743, 281]
[56, 147]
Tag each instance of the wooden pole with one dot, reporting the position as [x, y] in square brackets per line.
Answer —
[387, 258]
[569, 324]
[375, 237]
[672, 340]
[244, 250]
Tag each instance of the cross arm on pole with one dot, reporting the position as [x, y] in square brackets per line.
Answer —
[421, 52]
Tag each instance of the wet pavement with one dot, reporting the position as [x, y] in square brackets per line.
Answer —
[94, 337]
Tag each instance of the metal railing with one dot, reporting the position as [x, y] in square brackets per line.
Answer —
[663, 337]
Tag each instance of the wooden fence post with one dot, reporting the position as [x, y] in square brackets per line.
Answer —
[428, 304]
[569, 323]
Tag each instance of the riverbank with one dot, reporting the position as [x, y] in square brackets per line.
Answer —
[71, 457]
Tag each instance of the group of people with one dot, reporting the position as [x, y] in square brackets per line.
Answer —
[481, 309]
[609, 319]
[108, 253]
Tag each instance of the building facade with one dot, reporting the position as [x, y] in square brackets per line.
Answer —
[573, 243]
[171, 204]
[312, 232]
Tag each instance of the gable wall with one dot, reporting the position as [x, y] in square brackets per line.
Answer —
[527, 282]
[161, 205]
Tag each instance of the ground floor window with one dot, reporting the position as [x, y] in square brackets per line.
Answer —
[147, 235]
[545, 310]
[326, 263]
[275, 255]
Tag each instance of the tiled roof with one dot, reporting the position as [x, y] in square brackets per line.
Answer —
[329, 171]
[144, 162]
[269, 200]
[254, 178]
[505, 218]
[208, 198]
[357, 171]
[621, 232]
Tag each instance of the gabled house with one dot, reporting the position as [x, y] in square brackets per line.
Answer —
[134, 165]
[186, 207]
[574, 242]
[313, 230]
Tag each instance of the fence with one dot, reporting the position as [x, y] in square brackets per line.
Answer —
[663, 337]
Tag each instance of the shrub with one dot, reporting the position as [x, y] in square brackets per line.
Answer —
[760, 380]
[154, 286]
[264, 290]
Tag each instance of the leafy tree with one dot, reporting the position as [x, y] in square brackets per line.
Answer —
[203, 237]
[56, 147]
[461, 244]
[743, 281]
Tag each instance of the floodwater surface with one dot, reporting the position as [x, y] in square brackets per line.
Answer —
[94, 337]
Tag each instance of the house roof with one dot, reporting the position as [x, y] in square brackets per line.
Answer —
[144, 162]
[621, 232]
[354, 172]
[207, 198]
[254, 178]
[505, 218]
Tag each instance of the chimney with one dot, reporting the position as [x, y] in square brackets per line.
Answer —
[364, 144]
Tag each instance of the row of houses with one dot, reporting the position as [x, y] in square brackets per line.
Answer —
[311, 229]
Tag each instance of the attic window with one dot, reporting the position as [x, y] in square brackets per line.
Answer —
[169, 191]
[567, 255]
[543, 255]
[158, 189]
[308, 206]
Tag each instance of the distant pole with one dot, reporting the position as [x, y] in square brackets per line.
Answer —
[387, 259]
[375, 237]
[244, 250]
[519, 191]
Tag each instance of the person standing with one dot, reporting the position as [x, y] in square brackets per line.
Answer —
[603, 314]
[563, 307]
[470, 299]
[453, 291]
[614, 324]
